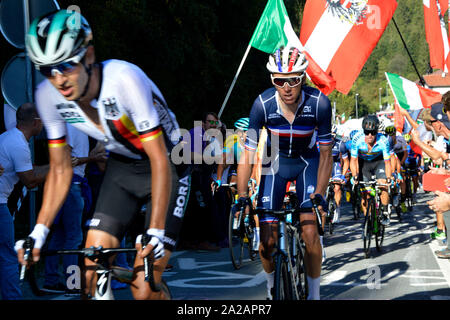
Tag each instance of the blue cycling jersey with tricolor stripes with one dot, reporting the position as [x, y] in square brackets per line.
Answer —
[312, 123]
[380, 149]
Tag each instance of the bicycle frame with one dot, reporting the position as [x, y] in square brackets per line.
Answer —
[287, 245]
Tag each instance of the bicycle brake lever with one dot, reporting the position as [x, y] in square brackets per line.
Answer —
[28, 246]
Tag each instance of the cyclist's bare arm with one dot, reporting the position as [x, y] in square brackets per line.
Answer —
[388, 168]
[56, 187]
[161, 183]
[325, 169]
[244, 170]
[345, 165]
[354, 167]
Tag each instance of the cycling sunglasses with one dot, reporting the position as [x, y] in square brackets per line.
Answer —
[372, 132]
[62, 68]
[291, 81]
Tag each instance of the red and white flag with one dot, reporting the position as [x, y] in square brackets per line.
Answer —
[340, 35]
[436, 33]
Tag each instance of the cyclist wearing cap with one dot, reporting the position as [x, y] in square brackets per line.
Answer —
[370, 156]
[295, 116]
[232, 150]
[116, 103]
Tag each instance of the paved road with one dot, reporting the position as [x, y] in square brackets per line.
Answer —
[406, 269]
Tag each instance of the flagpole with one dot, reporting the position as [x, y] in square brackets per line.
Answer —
[234, 80]
[422, 81]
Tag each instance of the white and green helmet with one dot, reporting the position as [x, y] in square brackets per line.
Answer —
[242, 124]
[61, 36]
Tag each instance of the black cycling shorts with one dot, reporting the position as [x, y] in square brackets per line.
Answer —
[126, 188]
[368, 169]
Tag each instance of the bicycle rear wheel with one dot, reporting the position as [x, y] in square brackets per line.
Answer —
[282, 283]
[236, 241]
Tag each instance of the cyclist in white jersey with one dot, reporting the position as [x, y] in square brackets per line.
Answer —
[116, 103]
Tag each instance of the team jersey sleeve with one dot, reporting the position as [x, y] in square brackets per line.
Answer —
[257, 122]
[136, 95]
[324, 113]
[54, 124]
[355, 148]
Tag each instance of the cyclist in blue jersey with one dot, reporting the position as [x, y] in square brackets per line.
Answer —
[345, 148]
[296, 116]
[370, 156]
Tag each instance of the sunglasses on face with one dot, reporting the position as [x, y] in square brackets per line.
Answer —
[372, 132]
[291, 81]
[216, 122]
[62, 68]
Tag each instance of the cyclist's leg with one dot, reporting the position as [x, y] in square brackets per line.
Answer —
[365, 175]
[270, 196]
[181, 185]
[306, 184]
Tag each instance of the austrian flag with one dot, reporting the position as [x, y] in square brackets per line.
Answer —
[340, 35]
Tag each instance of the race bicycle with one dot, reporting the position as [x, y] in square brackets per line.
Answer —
[241, 230]
[372, 220]
[290, 277]
[332, 206]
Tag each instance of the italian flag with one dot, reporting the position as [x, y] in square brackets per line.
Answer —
[340, 35]
[409, 95]
[274, 30]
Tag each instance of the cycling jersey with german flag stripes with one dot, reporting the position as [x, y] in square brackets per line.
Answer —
[130, 107]
[298, 137]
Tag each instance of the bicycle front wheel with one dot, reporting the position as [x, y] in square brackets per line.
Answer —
[332, 212]
[165, 288]
[379, 236]
[368, 225]
[236, 241]
[301, 282]
[282, 283]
